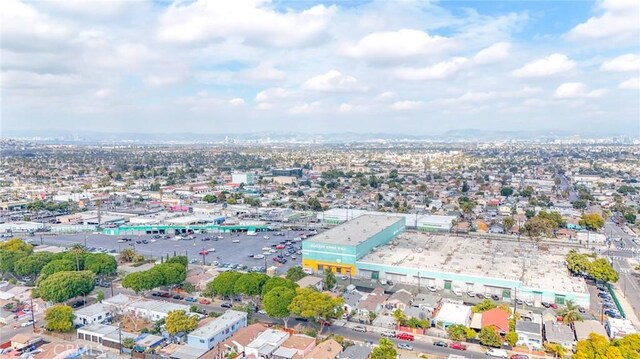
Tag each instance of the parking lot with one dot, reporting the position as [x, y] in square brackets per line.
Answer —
[228, 248]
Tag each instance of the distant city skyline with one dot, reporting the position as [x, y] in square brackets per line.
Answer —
[420, 68]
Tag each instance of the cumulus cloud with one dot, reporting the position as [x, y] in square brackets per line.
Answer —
[263, 73]
[406, 105]
[348, 108]
[571, 90]
[618, 21]
[494, 53]
[274, 93]
[332, 81]
[390, 45]
[551, 65]
[254, 22]
[438, 71]
[627, 62]
[386, 96]
[304, 108]
[630, 84]
[235, 102]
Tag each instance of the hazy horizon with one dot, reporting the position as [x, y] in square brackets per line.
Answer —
[321, 67]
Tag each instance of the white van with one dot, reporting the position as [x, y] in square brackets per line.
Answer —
[457, 292]
[497, 353]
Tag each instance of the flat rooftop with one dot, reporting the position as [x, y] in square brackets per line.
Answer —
[355, 231]
[219, 324]
[542, 268]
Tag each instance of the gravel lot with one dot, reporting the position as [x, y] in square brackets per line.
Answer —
[226, 251]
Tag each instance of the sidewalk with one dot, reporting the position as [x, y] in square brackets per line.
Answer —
[477, 348]
[626, 306]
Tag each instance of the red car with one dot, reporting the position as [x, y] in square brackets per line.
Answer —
[405, 336]
[457, 346]
[553, 305]
[204, 301]
[203, 252]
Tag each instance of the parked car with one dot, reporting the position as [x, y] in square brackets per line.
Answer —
[405, 336]
[519, 301]
[165, 295]
[190, 299]
[495, 297]
[457, 292]
[405, 346]
[440, 343]
[204, 301]
[389, 334]
[471, 293]
[27, 323]
[360, 328]
[178, 297]
[480, 296]
[457, 346]
[546, 305]
[226, 305]
[78, 304]
[497, 353]
[432, 288]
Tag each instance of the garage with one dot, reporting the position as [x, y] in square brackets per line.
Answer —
[396, 277]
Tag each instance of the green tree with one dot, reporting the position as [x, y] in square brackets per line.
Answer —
[171, 273]
[579, 204]
[526, 192]
[309, 303]
[629, 346]
[183, 260]
[399, 317]
[314, 204]
[483, 306]
[471, 334]
[250, 284]
[457, 332]
[576, 262]
[275, 282]
[127, 255]
[555, 349]
[62, 286]
[508, 223]
[601, 269]
[592, 221]
[276, 303]
[296, 273]
[329, 280]
[100, 296]
[384, 350]
[489, 337]
[77, 250]
[55, 266]
[224, 284]
[8, 260]
[32, 264]
[128, 343]
[570, 313]
[179, 321]
[511, 338]
[59, 318]
[16, 245]
[506, 191]
[101, 264]
[142, 281]
[209, 198]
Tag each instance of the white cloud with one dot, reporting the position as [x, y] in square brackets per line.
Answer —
[349, 108]
[630, 84]
[618, 21]
[163, 80]
[274, 93]
[548, 66]
[406, 105]
[570, 90]
[627, 62]
[253, 21]
[103, 93]
[389, 45]
[332, 81]
[264, 106]
[494, 53]
[438, 71]
[235, 102]
[24, 26]
[263, 73]
[304, 108]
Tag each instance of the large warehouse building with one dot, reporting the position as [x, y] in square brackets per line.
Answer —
[371, 247]
[339, 248]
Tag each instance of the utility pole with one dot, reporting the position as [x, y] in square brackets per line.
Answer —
[112, 287]
[120, 336]
[33, 318]
[418, 282]
[203, 262]
[85, 241]
[186, 255]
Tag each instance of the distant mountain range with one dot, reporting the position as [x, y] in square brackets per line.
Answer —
[290, 137]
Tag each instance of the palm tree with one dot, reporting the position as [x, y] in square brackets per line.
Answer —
[128, 255]
[399, 316]
[77, 249]
[570, 313]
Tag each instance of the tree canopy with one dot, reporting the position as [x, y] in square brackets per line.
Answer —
[592, 221]
[59, 318]
[224, 284]
[162, 274]
[275, 282]
[599, 269]
[294, 274]
[309, 303]
[489, 337]
[100, 263]
[384, 350]
[58, 265]
[598, 347]
[179, 321]
[62, 286]
[483, 306]
[277, 301]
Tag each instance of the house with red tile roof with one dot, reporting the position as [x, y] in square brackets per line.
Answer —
[496, 318]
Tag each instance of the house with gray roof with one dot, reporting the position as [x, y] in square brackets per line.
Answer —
[529, 334]
[558, 333]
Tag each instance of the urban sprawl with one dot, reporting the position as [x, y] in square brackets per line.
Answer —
[316, 251]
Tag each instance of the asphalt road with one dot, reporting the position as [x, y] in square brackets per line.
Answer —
[226, 251]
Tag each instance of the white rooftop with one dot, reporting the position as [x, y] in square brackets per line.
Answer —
[219, 324]
[355, 231]
[542, 268]
[454, 313]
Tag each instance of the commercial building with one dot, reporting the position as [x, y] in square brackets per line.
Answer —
[339, 248]
[421, 223]
[287, 172]
[218, 330]
[243, 178]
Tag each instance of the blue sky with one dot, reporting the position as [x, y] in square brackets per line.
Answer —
[312, 66]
